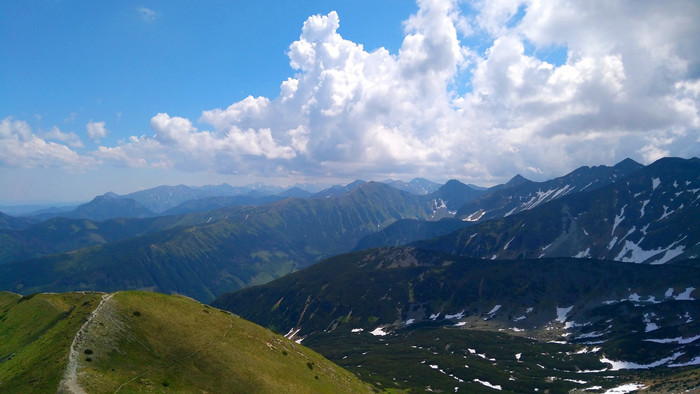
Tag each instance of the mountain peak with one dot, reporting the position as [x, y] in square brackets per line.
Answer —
[628, 164]
[516, 180]
[453, 183]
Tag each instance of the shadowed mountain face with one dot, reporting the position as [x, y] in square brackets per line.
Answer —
[420, 308]
[520, 194]
[648, 217]
[469, 205]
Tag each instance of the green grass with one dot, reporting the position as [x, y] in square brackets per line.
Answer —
[177, 344]
[35, 337]
[141, 341]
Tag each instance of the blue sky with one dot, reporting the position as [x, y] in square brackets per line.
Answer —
[121, 96]
[68, 63]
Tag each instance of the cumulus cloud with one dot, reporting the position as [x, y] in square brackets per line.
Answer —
[96, 130]
[21, 147]
[69, 138]
[467, 95]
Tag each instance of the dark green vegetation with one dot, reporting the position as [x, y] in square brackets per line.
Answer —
[60, 235]
[8, 222]
[171, 344]
[405, 231]
[240, 246]
[417, 296]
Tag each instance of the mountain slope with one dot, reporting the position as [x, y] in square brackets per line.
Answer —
[211, 203]
[240, 246]
[419, 319]
[418, 186]
[59, 235]
[138, 342]
[8, 222]
[405, 231]
[109, 206]
[451, 196]
[521, 194]
[648, 217]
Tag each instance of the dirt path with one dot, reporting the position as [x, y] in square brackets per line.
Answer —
[69, 384]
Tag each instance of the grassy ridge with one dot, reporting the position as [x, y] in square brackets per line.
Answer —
[153, 342]
[35, 337]
[140, 341]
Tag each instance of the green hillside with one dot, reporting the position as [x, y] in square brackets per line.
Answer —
[139, 341]
[239, 247]
[35, 337]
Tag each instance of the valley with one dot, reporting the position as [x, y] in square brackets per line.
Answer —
[584, 283]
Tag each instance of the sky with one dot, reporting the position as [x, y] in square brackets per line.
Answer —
[121, 96]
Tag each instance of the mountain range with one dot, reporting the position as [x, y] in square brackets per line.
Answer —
[583, 282]
[568, 318]
[650, 216]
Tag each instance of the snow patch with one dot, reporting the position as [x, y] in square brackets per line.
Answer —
[679, 340]
[625, 388]
[487, 384]
[492, 312]
[618, 365]
[695, 361]
[474, 216]
[357, 330]
[292, 333]
[457, 316]
[562, 312]
[508, 243]
[379, 331]
[685, 296]
[655, 182]
[632, 253]
[585, 253]
[618, 219]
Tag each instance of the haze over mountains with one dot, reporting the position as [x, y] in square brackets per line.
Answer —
[603, 261]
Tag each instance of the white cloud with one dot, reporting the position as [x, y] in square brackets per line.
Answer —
[22, 148]
[148, 15]
[96, 130]
[629, 87]
[70, 138]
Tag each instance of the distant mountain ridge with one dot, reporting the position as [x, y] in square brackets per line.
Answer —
[418, 186]
[517, 195]
[650, 216]
[225, 249]
[521, 194]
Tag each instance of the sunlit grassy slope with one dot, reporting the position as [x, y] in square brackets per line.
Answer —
[35, 337]
[139, 341]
